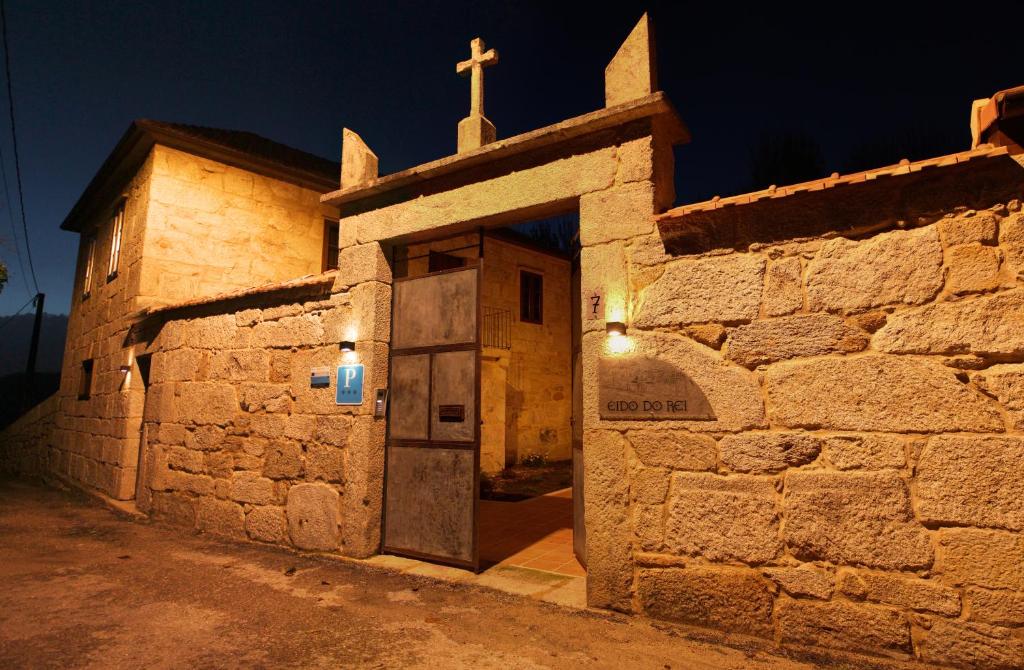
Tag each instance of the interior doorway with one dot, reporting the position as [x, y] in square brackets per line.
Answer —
[529, 506]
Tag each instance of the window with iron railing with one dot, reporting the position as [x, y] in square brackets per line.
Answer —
[497, 327]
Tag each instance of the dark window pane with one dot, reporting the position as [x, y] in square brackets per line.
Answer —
[531, 297]
[440, 261]
[330, 245]
[85, 383]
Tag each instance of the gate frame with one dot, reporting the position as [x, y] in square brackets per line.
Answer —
[615, 165]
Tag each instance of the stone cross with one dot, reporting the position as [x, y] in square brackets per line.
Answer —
[478, 60]
[475, 130]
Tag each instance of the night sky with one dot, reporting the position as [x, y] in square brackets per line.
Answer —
[847, 75]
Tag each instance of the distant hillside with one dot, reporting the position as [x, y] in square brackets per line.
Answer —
[16, 336]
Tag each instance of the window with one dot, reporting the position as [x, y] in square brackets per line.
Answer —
[331, 229]
[438, 261]
[85, 383]
[116, 230]
[531, 297]
[90, 257]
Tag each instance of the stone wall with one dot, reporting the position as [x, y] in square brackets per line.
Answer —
[861, 487]
[214, 228]
[239, 444]
[193, 227]
[95, 441]
[26, 446]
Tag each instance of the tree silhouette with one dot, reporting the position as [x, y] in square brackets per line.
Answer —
[557, 233]
[910, 143]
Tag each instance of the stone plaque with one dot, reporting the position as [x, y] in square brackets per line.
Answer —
[640, 387]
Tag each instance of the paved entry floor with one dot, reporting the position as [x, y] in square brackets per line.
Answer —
[525, 549]
[534, 533]
[83, 588]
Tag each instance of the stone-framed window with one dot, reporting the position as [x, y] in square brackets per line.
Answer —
[85, 380]
[116, 232]
[90, 261]
[331, 233]
[531, 297]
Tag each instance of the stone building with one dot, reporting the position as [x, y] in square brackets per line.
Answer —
[796, 414]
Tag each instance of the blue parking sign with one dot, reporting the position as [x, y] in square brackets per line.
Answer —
[350, 385]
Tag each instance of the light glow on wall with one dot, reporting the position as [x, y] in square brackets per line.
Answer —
[126, 369]
[619, 344]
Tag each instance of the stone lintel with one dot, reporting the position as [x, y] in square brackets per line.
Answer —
[655, 106]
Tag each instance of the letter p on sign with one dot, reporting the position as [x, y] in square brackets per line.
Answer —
[350, 385]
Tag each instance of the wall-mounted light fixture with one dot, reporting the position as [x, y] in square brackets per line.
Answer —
[347, 346]
[125, 369]
[615, 328]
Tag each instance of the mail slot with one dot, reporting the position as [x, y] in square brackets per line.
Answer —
[451, 413]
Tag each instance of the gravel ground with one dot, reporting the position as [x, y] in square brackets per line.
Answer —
[84, 588]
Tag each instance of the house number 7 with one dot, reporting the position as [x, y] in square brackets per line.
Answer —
[596, 306]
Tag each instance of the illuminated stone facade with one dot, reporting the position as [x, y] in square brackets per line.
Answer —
[857, 491]
[193, 227]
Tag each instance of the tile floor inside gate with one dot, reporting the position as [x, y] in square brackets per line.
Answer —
[525, 548]
[534, 533]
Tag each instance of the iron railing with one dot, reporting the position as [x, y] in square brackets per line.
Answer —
[497, 327]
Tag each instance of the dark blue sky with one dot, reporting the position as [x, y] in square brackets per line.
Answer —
[845, 74]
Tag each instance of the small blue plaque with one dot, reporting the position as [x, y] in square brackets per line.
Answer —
[320, 378]
[350, 385]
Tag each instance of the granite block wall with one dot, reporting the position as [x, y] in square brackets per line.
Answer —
[861, 487]
[239, 444]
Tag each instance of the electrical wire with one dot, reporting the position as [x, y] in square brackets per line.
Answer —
[10, 218]
[11, 317]
[14, 138]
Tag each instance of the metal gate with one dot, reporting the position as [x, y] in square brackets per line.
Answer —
[432, 487]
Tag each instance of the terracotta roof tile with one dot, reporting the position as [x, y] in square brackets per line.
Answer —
[300, 282]
[833, 181]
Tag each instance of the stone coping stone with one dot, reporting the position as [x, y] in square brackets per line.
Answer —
[656, 104]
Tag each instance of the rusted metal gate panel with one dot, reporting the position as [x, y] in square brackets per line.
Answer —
[433, 452]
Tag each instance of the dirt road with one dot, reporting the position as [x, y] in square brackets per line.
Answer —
[82, 588]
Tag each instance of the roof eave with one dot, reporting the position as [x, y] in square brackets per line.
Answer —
[123, 159]
[133, 147]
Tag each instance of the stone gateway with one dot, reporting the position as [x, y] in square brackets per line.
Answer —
[795, 414]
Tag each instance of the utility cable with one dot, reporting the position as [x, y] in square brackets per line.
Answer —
[11, 317]
[10, 218]
[14, 138]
